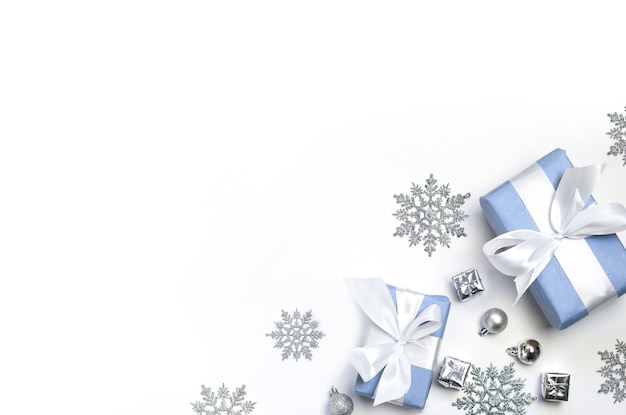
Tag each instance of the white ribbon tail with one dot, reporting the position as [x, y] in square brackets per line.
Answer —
[395, 381]
[568, 215]
[370, 360]
[572, 194]
[524, 281]
[597, 220]
[522, 254]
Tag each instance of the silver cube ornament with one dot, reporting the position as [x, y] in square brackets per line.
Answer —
[453, 372]
[468, 284]
[555, 386]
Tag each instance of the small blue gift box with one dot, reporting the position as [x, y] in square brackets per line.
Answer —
[583, 274]
[421, 372]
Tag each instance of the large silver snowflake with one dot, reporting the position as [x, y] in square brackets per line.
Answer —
[614, 371]
[618, 134]
[223, 402]
[296, 334]
[430, 215]
[494, 392]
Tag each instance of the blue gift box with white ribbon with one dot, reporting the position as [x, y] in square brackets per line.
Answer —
[580, 272]
[389, 359]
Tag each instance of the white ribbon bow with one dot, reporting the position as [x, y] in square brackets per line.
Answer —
[525, 253]
[396, 340]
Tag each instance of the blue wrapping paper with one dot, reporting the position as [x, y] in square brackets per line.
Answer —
[421, 378]
[553, 291]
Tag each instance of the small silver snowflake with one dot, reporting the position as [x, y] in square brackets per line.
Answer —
[618, 134]
[223, 402]
[296, 334]
[494, 392]
[614, 371]
[430, 215]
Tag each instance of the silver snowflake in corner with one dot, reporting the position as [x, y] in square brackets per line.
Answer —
[614, 371]
[430, 215]
[296, 334]
[618, 134]
[223, 402]
[494, 392]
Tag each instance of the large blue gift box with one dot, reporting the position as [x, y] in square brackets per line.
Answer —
[421, 372]
[572, 284]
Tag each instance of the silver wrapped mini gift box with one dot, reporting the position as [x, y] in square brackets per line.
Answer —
[468, 284]
[453, 372]
[555, 386]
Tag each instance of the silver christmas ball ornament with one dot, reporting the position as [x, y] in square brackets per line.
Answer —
[339, 403]
[527, 352]
[493, 321]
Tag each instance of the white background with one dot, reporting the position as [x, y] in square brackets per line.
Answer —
[173, 174]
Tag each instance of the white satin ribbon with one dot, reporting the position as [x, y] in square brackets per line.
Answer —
[525, 253]
[397, 339]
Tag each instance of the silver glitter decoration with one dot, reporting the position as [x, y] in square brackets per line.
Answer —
[618, 134]
[223, 402]
[339, 403]
[296, 334]
[614, 372]
[430, 215]
[494, 392]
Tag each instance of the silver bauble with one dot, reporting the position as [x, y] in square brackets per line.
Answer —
[493, 321]
[339, 403]
[527, 352]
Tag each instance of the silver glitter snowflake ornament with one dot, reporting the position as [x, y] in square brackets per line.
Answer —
[614, 372]
[618, 134]
[296, 334]
[223, 402]
[430, 215]
[494, 392]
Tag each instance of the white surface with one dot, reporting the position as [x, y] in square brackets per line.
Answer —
[173, 174]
